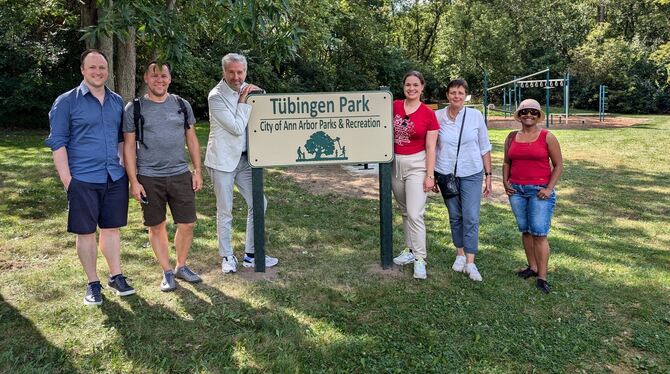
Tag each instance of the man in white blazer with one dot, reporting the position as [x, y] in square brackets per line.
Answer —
[226, 158]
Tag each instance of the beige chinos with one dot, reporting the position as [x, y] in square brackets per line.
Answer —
[409, 172]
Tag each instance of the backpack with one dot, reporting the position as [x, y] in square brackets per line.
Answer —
[138, 119]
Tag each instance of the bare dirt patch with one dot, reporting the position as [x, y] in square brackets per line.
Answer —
[573, 122]
[394, 271]
[250, 274]
[350, 181]
[353, 181]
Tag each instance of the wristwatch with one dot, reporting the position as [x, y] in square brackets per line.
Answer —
[431, 176]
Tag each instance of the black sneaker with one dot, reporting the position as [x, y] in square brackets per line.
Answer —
[543, 286]
[120, 285]
[526, 273]
[93, 294]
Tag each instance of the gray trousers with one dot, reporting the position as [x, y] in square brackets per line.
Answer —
[223, 190]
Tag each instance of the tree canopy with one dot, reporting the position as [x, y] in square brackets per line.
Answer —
[338, 45]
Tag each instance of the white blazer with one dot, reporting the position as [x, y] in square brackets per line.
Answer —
[228, 128]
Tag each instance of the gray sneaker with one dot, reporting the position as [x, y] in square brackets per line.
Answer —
[187, 274]
[168, 284]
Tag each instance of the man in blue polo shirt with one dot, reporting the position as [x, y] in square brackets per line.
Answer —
[86, 141]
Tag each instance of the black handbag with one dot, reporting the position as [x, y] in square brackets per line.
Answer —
[448, 184]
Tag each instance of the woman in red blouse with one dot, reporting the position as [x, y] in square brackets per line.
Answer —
[415, 135]
[529, 181]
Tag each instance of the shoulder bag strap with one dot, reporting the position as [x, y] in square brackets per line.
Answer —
[139, 122]
[458, 149]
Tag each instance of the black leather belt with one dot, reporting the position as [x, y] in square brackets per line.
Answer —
[244, 154]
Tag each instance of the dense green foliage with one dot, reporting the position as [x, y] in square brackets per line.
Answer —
[312, 45]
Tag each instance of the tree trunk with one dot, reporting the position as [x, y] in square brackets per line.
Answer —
[126, 66]
[601, 12]
[88, 18]
[106, 46]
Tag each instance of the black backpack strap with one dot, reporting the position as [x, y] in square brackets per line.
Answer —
[138, 119]
[183, 111]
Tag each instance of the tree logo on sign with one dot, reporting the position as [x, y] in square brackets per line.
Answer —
[322, 147]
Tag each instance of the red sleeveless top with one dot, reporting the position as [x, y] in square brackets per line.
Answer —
[530, 161]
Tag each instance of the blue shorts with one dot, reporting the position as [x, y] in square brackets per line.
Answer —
[92, 205]
[533, 215]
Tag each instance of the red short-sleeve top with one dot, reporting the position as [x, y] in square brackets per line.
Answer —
[409, 131]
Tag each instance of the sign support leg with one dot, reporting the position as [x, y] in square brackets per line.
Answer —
[259, 218]
[385, 215]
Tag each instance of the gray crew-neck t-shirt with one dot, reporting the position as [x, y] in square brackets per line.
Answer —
[164, 137]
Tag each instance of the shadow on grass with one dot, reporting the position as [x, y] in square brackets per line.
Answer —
[24, 348]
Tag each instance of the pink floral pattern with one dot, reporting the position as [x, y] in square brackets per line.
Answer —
[402, 130]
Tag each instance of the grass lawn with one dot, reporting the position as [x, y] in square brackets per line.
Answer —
[327, 310]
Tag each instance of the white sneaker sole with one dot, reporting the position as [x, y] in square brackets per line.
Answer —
[402, 263]
[252, 264]
[420, 276]
[124, 293]
[229, 271]
[92, 302]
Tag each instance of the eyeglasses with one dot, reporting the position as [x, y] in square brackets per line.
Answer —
[532, 112]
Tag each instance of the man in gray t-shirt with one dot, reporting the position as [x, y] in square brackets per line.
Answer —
[158, 171]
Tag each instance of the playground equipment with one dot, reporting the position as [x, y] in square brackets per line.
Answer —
[601, 102]
[512, 95]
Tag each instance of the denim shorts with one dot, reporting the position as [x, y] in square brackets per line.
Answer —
[533, 215]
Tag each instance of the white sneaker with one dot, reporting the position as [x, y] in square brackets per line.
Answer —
[471, 269]
[420, 268]
[405, 257]
[269, 262]
[229, 264]
[459, 264]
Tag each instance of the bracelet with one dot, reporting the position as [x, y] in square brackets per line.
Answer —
[487, 174]
[431, 176]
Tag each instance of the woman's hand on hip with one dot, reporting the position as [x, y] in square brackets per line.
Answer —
[544, 193]
[508, 189]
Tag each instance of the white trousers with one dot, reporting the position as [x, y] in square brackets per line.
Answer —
[409, 172]
[223, 190]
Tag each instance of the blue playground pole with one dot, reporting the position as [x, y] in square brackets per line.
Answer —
[547, 99]
[486, 99]
[566, 94]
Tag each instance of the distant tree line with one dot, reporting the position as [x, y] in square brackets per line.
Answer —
[338, 45]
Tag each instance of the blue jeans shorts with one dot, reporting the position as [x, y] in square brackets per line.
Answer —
[533, 215]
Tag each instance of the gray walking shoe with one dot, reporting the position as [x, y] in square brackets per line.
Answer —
[168, 284]
[187, 274]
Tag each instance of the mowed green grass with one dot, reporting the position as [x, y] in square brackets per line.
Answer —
[328, 308]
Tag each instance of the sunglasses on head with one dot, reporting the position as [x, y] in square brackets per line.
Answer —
[532, 112]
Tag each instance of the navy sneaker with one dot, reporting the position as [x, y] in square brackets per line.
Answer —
[120, 285]
[543, 286]
[93, 294]
[526, 273]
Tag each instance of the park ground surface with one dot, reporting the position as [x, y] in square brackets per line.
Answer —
[328, 306]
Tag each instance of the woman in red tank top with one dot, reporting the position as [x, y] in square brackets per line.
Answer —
[529, 181]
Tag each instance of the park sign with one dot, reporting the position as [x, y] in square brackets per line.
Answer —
[320, 128]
